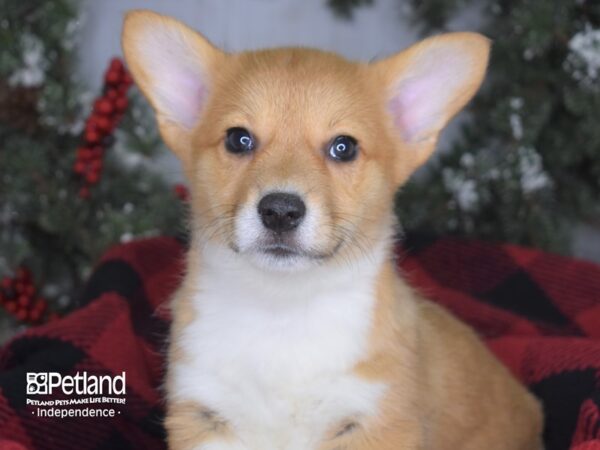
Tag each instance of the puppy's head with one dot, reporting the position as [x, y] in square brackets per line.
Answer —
[293, 155]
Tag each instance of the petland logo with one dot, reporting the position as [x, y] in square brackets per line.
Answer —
[44, 383]
[72, 395]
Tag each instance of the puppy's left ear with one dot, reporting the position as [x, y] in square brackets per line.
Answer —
[427, 84]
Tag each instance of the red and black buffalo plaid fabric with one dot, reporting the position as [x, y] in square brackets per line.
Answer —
[539, 313]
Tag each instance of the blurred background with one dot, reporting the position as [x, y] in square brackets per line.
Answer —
[82, 167]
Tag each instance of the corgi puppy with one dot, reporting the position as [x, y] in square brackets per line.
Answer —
[292, 329]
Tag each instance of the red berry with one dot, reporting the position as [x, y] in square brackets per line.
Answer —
[104, 106]
[20, 287]
[23, 301]
[127, 80]
[121, 103]
[112, 94]
[23, 274]
[79, 167]
[40, 304]
[116, 64]
[11, 307]
[92, 177]
[22, 314]
[84, 193]
[30, 290]
[35, 315]
[96, 165]
[92, 137]
[96, 153]
[104, 123]
[83, 154]
[91, 127]
[7, 283]
[182, 192]
[97, 106]
[112, 77]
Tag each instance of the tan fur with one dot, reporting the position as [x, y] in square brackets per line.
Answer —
[190, 424]
[446, 389]
[452, 393]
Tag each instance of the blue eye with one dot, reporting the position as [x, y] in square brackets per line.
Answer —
[343, 149]
[239, 140]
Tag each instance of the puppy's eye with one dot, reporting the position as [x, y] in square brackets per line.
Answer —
[343, 149]
[239, 140]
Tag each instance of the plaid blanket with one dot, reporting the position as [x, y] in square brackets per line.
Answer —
[539, 313]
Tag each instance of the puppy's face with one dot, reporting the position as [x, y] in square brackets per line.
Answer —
[288, 164]
[293, 155]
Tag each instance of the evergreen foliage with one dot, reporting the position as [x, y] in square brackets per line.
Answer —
[526, 166]
[45, 224]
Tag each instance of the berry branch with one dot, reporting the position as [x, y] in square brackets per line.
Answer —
[99, 127]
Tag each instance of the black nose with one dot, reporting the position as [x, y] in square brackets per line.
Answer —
[281, 212]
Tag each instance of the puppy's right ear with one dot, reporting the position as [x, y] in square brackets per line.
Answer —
[172, 65]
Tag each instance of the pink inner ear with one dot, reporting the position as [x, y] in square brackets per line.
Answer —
[178, 85]
[183, 93]
[412, 109]
[420, 100]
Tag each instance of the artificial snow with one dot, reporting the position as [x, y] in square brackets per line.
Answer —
[128, 208]
[516, 125]
[531, 170]
[467, 160]
[528, 54]
[585, 54]
[516, 103]
[126, 237]
[71, 33]
[462, 189]
[32, 73]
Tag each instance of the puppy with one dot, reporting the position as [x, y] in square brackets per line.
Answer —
[292, 329]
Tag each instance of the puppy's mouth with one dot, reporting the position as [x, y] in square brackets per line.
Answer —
[286, 251]
[283, 249]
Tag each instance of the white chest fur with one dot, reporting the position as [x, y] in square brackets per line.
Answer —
[273, 355]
